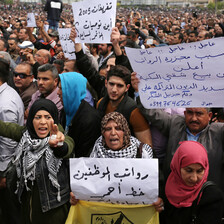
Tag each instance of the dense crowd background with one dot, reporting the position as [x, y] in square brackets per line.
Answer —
[36, 68]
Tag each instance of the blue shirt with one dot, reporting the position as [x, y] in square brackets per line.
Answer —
[191, 137]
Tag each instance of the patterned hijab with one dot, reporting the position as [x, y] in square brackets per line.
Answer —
[177, 192]
[120, 120]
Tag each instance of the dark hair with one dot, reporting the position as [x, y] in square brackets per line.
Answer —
[74, 68]
[110, 45]
[130, 43]
[5, 43]
[15, 39]
[195, 33]
[25, 63]
[60, 63]
[49, 67]
[137, 24]
[4, 71]
[24, 29]
[208, 35]
[132, 34]
[121, 72]
[180, 37]
[95, 46]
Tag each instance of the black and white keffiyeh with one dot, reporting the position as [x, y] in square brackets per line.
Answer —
[28, 153]
[99, 151]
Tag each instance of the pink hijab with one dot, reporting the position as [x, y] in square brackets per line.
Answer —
[177, 192]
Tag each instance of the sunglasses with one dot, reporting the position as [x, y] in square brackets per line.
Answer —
[21, 75]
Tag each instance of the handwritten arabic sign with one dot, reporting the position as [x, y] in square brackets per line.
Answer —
[184, 75]
[94, 20]
[67, 45]
[31, 22]
[127, 181]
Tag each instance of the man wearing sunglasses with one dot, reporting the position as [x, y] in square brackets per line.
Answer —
[23, 79]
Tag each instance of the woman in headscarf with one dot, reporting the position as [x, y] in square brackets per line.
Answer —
[189, 171]
[116, 140]
[42, 186]
[80, 120]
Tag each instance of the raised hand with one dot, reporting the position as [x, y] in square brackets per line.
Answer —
[73, 34]
[56, 137]
[115, 36]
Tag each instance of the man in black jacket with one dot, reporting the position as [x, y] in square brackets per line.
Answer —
[54, 9]
[117, 84]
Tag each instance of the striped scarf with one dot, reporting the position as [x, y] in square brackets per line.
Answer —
[99, 151]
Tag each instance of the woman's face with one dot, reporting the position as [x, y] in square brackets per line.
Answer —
[42, 123]
[192, 174]
[113, 135]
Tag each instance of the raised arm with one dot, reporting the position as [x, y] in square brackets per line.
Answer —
[86, 68]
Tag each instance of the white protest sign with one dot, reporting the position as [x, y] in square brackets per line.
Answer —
[120, 180]
[66, 43]
[94, 20]
[31, 22]
[183, 75]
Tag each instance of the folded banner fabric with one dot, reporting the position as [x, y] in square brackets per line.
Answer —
[104, 213]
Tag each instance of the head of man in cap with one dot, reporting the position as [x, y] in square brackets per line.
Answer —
[25, 48]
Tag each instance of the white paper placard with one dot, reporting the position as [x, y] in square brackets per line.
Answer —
[120, 180]
[94, 20]
[66, 44]
[183, 75]
[31, 21]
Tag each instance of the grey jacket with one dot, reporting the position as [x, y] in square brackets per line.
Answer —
[174, 127]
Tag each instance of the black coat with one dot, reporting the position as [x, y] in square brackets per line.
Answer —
[84, 129]
[209, 209]
[54, 9]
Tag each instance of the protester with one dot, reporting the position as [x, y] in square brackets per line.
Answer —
[11, 110]
[117, 99]
[80, 120]
[13, 48]
[54, 9]
[47, 81]
[42, 185]
[26, 47]
[116, 142]
[70, 66]
[23, 79]
[185, 202]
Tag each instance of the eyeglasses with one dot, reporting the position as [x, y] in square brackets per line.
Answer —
[21, 75]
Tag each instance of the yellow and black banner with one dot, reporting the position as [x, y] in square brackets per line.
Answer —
[104, 213]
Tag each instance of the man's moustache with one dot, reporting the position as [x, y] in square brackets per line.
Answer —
[194, 122]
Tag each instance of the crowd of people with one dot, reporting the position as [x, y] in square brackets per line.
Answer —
[91, 106]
